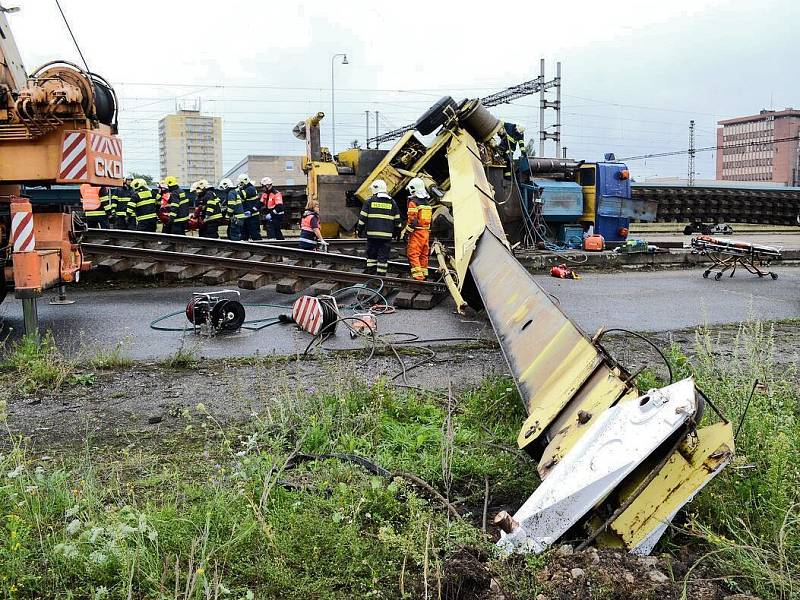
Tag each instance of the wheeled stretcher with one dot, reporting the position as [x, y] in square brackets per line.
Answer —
[727, 254]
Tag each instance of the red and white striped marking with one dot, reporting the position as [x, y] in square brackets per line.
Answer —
[105, 144]
[307, 313]
[22, 232]
[73, 156]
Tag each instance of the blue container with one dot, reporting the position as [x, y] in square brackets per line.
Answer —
[561, 200]
[571, 235]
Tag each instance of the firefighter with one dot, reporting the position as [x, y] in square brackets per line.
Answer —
[232, 208]
[272, 200]
[177, 206]
[379, 222]
[251, 204]
[210, 211]
[310, 233]
[142, 206]
[512, 136]
[418, 228]
[95, 202]
[120, 198]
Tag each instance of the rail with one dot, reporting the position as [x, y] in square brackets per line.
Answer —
[254, 265]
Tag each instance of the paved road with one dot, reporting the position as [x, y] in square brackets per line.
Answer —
[645, 301]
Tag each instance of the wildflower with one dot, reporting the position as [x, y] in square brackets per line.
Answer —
[100, 593]
[73, 526]
[98, 558]
[16, 472]
[201, 407]
[200, 570]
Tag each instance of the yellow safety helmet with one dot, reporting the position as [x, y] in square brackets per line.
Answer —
[139, 184]
[169, 181]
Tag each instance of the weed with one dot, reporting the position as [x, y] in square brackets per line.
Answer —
[113, 358]
[749, 516]
[37, 364]
[185, 357]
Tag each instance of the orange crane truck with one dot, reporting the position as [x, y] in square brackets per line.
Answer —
[58, 125]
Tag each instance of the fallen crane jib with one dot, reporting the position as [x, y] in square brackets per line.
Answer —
[238, 264]
[265, 249]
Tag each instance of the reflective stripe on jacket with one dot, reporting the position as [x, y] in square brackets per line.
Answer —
[212, 209]
[120, 198]
[249, 198]
[308, 224]
[143, 206]
[419, 213]
[380, 216]
[178, 205]
[233, 205]
[273, 200]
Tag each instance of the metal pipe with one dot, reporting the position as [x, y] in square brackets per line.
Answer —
[366, 112]
[377, 143]
[541, 111]
[448, 278]
[558, 108]
[551, 165]
[30, 316]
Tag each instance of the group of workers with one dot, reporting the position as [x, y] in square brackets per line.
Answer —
[136, 206]
[379, 222]
[244, 207]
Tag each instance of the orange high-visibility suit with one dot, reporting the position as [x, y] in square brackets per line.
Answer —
[418, 230]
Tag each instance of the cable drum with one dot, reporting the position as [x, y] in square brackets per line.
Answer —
[330, 314]
[104, 102]
[478, 121]
[316, 315]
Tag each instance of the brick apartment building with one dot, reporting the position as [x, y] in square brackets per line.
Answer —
[750, 151]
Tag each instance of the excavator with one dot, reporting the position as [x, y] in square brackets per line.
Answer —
[616, 463]
[58, 125]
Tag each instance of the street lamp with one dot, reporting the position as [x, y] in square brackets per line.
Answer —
[333, 105]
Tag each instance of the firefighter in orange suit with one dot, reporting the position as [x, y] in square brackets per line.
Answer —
[418, 228]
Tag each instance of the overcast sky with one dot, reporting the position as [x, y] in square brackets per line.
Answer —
[634, 73]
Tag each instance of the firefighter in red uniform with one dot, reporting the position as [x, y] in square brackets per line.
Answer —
[418, 228]
[272, 200]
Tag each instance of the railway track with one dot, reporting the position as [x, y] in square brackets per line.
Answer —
[252, 265]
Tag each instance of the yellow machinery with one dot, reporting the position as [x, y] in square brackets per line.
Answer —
[330, 181]
[614, 462]
[57, 126]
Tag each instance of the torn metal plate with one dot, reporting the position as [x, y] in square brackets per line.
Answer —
[622, 438]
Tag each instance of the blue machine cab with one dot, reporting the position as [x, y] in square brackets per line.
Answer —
[563, 192]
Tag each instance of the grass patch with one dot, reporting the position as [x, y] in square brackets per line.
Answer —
[218, 513]
[185, 357]
[112, 358]
[37, 364]
[749, 518]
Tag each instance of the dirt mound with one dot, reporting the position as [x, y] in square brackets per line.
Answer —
[593, 573]
[613, 574]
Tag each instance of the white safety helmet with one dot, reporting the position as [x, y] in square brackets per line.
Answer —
[378, 187]
[266, 181]
[199, 186]
[243, 179]
[416, 187]
[225, 183]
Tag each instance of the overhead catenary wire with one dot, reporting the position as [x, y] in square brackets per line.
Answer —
[72, 35]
